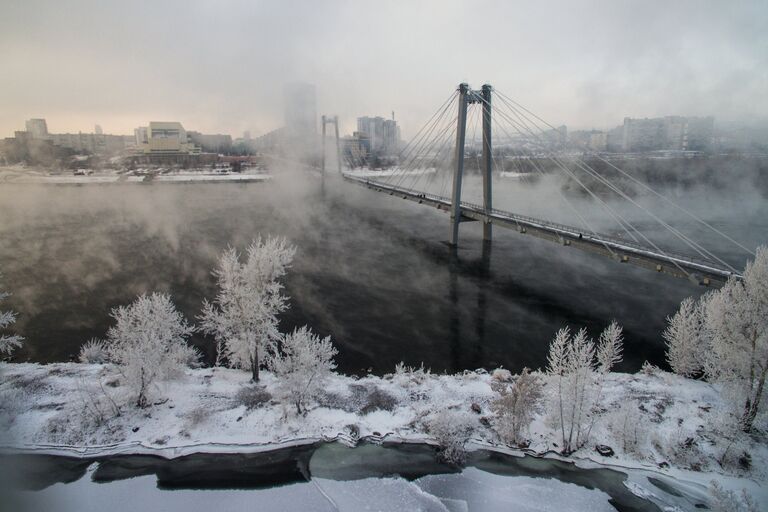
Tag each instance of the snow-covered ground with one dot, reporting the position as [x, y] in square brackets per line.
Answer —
[180, 177]
[212, 177]
[655, 422]
[22, 175]
[513, 175]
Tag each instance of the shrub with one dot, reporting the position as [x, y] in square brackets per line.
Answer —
[517, 405]
[451, 429]
[94, 351]
[729, 501]
[629, 426]
[301, 364]
[378, 400]
[198, 415]
[252, 397]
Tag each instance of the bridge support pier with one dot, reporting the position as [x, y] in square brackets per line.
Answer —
[322, 147]
[487, 161]
[467, 96]
[335, 122]
[458, 173]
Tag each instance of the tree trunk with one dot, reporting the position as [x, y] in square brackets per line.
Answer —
[753, 403]
[255, 369]
[142, 399]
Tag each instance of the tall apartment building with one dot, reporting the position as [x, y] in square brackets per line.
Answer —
[37, 128]
[383, 134]
[300, 109]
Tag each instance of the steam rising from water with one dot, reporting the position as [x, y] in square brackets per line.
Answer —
[371, 270]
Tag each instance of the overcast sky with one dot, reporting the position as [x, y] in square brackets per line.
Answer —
[219, 67]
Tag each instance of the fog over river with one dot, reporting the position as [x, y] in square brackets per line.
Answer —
[371, 270]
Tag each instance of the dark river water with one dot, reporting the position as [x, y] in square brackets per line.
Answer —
[371, 270]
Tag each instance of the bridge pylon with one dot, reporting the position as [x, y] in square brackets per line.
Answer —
[335, 122]
[468, 96]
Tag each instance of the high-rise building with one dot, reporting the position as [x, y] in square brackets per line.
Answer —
[37, 128]
[383, 134]
[97, 130]
[300, 103]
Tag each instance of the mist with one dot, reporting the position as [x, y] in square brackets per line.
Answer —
[371, 270]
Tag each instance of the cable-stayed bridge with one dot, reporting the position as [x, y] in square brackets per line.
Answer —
[442, 148]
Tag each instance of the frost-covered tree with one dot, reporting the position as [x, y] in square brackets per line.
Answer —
[736, 324]
[8, 342]
[517, 405]
[722, 500]
[243, 316]
[684, 339]
[610, 346]
[148, 343]
[578, 366]
[302, 363]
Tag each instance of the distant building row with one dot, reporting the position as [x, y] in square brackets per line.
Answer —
[98, 142]
[675, 133]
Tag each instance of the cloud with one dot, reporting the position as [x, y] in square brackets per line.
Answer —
[220, 67]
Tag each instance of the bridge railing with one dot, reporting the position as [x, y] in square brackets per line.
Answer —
[564, 229]
[597, 237]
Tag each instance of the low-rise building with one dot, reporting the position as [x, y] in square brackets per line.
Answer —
[164, 138]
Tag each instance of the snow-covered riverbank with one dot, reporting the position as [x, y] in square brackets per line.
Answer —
[21, 176]
[654, 420]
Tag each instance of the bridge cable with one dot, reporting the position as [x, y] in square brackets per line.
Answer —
[409, 157]
[640, 183]
[426, 145]
[623, 223]
[437, 140]
[572, 175]
[565, 199]
[702, 251]
[534, 164]
[616, 215]
[417, 149]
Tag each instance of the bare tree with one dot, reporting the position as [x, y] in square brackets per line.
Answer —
[148, 343]
[301, 364]
[243, 316]
[8, 342]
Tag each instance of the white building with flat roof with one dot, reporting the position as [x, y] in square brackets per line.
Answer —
[164, 137]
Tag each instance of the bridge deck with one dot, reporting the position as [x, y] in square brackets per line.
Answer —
[677, 265]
